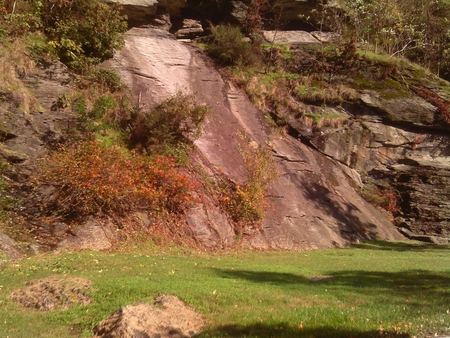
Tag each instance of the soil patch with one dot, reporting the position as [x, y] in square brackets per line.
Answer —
[53, 293]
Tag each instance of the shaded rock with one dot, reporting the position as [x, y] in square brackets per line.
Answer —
[210, 226]
[137, 11]
[239, 11]
[91, 235]
[190, 29]
[162, 22]
[168, 317]
[143, 219]
[53, 293]
[9, 249]
[408, 110]
[34, 133]
[49, 83]
[290, 37]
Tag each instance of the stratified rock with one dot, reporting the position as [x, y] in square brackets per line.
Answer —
[170, 318]
[191, 29]
[412, 110]
[398, 143]
[9, 248]
[49, 83]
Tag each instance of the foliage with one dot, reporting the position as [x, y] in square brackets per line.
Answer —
[7, 202]
[81, 32]
[384, 197]
[174, 121]
[229, 46]
[418, 30]
[442, 104]
[247, 202]
[92, 179]
[376, 289]
[83, 28]
[106, 79]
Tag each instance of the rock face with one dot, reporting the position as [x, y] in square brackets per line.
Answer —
[314, 202]
[399, 143]
[170, 317]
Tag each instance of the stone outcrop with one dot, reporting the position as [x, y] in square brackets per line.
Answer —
[398, 143]
[190, 29]
[314, 202]
[138, 11]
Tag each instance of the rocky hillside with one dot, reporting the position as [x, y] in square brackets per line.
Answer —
[386, 137]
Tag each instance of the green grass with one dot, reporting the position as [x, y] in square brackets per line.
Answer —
[377, 289]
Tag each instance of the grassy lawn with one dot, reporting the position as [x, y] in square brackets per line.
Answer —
[377, 289]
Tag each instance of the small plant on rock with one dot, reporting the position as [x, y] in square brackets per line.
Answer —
[229, 46]
[175, 121]
[247, 202]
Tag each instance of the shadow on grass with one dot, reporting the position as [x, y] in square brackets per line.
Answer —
[284, 330]
[401, 246]
[419, 287]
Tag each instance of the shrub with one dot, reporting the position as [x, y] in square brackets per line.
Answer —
[7, 202]
[229, 47]
[92, 180]
[83, 28]
[81, 32]
[384, 197]
[174, 121]
[247, 202]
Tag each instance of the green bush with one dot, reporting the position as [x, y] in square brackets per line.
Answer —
[83, 28]
[174, 121]
[7, 202]
[229, 46]
[82, 32]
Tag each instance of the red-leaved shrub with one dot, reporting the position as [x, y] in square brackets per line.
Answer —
[91, 179]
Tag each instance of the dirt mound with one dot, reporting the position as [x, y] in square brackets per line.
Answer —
[53, 293]
[167, 317]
